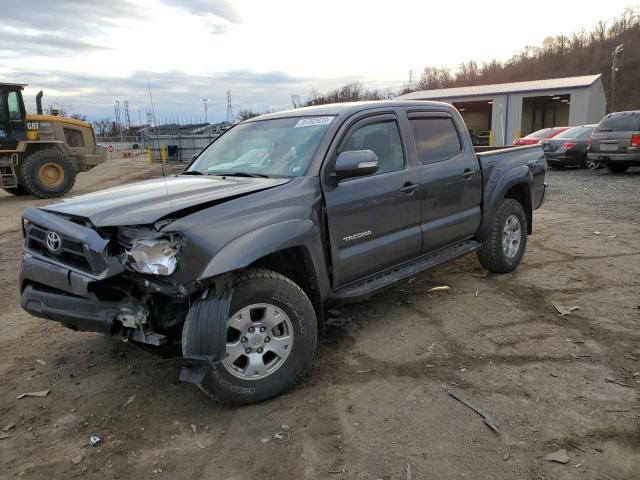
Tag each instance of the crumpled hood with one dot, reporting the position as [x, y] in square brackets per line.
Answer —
[146, 202]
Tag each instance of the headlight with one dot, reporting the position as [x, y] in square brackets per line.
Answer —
[158, 256]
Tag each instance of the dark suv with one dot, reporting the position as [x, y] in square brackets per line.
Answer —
[616, 141]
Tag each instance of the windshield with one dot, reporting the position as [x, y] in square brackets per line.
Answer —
[281, 147]
[576, 133]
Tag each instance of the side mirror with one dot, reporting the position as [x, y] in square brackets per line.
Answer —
[356, 163]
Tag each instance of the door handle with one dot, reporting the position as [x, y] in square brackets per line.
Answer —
[468, 173]
[409, 188]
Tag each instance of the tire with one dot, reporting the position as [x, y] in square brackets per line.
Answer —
[590, 164]
[226, 383]
[617, 168]
[492, 254]
[19, 191]
[47, 174]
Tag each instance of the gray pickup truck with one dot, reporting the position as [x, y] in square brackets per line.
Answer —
[231, 264]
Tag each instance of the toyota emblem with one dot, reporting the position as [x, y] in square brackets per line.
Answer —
[54, 242]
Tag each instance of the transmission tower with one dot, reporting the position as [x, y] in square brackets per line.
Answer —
[116, 110]
[230, 116]
[127, 119]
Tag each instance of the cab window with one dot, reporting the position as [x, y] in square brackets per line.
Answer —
[383, 138]
[13, 102]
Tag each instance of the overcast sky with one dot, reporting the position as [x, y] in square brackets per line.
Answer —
[87, 53]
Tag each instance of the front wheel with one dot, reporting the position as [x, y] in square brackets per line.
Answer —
[47, 173]
[271, 338]
[503, 249]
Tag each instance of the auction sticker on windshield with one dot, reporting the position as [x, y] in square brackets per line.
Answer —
[312, 122]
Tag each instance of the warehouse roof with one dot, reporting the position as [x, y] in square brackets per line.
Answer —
[483, 90]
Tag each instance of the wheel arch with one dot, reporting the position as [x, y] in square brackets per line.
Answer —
[521, 192]
[292, 248]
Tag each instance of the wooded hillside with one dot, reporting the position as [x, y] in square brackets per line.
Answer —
[581, 53]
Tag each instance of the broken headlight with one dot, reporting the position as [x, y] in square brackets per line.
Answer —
[154, 255]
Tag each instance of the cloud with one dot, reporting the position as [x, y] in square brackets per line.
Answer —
[220, 8]
[176, 94]
[15, 44]
[67, 16]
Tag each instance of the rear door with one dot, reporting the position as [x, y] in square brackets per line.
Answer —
[450, 179]
[613, 134]
[373, 220]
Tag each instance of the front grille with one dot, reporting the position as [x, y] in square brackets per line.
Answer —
[71, 253]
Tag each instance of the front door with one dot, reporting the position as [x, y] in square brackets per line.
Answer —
[373, 220]
[450, 180]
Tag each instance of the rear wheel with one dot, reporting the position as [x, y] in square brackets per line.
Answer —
[617, 168]
[47, 174]
[591, 164]
[18, 191]
[504, 247]
[271, 339]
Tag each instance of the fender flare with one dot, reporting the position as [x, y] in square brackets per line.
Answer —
[499, 189]
[246, 249]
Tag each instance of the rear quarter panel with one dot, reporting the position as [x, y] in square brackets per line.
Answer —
[504, 169]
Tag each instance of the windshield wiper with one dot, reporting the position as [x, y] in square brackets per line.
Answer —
[192, 172]
[239, 174]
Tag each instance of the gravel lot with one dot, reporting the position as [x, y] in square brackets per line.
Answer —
[376, 406]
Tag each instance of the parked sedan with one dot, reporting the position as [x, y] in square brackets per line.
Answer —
[569, 148]
[536, 137]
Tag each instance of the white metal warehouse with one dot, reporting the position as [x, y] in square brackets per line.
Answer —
[497, 114]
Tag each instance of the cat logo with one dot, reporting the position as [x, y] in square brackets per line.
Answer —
[33, 125]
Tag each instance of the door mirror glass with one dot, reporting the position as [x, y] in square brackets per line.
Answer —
[356, 163]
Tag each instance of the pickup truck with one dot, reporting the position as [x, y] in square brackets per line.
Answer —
[231, 264]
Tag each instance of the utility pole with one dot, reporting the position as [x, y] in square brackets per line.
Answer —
[205, 100]
[410, 78]
[614, 68]
[229, 108]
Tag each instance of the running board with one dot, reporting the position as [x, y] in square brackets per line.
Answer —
[365, 288]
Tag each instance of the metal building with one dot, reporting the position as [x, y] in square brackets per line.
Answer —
[497, 114]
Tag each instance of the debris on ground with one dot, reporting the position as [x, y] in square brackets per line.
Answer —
[559, 456]
[491, 421]
[363, 370]
[617, 382]
[77, 459]
[8, 427]
[194, 428]
[41, 362]
[128, 402]
[265, 439]
[94, 440]
[408, 470]
[5, 435]
[439, 289]
[505, 457]
[580, 355]
[565, 310]
[282, 437]
[42, 393]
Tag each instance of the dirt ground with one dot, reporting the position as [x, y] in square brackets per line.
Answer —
[376, 405]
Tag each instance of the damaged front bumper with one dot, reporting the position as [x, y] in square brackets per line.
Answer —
[55, 293]
[85, 287]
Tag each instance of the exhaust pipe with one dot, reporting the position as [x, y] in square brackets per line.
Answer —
[39, 102]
